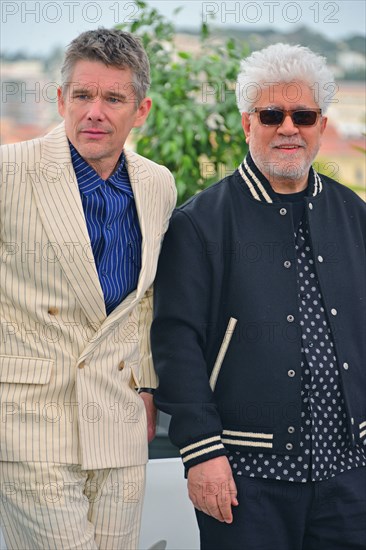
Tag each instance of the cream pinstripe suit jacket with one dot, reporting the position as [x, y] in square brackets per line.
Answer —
[67, 370]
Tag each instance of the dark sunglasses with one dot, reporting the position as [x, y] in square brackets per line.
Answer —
[275, 117]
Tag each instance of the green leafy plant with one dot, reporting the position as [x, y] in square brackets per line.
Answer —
[194, 127]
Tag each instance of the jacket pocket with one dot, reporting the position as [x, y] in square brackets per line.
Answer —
[222, 352]
[25, 370]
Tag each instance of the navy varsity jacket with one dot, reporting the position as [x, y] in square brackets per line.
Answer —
[225, 339]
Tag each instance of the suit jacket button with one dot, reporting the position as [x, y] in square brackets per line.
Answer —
[53, 310]
[291, 373]
[121, 366]
[81, 365]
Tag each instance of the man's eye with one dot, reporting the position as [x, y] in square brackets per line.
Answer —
[114, 100]
[82, 97]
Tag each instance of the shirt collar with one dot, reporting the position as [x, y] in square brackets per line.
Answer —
[89, 180]
[261, 189]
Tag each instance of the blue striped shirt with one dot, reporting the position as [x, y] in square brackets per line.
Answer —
[113, 227]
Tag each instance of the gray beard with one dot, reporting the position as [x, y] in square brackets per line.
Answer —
[291, 171]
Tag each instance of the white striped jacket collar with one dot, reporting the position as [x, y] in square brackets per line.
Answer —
[261, 189]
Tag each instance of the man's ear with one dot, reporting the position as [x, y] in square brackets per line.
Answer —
[60, 102]
[142, 111]
[245, 122]
[323, 124]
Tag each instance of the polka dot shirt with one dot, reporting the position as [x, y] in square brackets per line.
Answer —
[325, 449]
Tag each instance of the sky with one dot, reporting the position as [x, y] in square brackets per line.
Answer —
[38, 27]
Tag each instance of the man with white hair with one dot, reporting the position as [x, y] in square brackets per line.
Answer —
[258, 336]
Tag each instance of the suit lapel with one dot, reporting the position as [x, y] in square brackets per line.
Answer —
[142, 186]
[145, 194]
[59, 203]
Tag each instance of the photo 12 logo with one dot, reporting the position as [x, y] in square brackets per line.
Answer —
[270, 12]
[68, 12]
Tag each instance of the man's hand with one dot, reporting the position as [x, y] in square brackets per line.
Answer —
[212, 489]
[150, 414]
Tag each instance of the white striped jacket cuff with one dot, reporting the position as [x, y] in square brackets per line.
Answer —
[202, 450]
[215, 445]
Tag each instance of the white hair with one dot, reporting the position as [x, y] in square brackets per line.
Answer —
[282, 63]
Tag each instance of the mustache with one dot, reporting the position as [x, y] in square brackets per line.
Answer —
[297, 142]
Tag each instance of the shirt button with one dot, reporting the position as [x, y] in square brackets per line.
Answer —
[320, 259]
[290, 318]
[81, 365]
[108, 226]
[104, 273]
[287, 264]
[291, 373]
[291, 430]
[345, 366]
[53, 311]
[289, 446]
[310, 206]
[283, 211]
[333, 311]
[121, 366]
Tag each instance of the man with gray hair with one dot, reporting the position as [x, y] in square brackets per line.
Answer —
[82, 220]
[259, 330]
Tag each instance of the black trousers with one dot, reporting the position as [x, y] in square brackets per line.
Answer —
[284, 515]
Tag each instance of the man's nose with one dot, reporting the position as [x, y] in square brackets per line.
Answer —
[95, 109]
[287, 127]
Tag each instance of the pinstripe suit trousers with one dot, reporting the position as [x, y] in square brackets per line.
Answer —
[62, 507]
